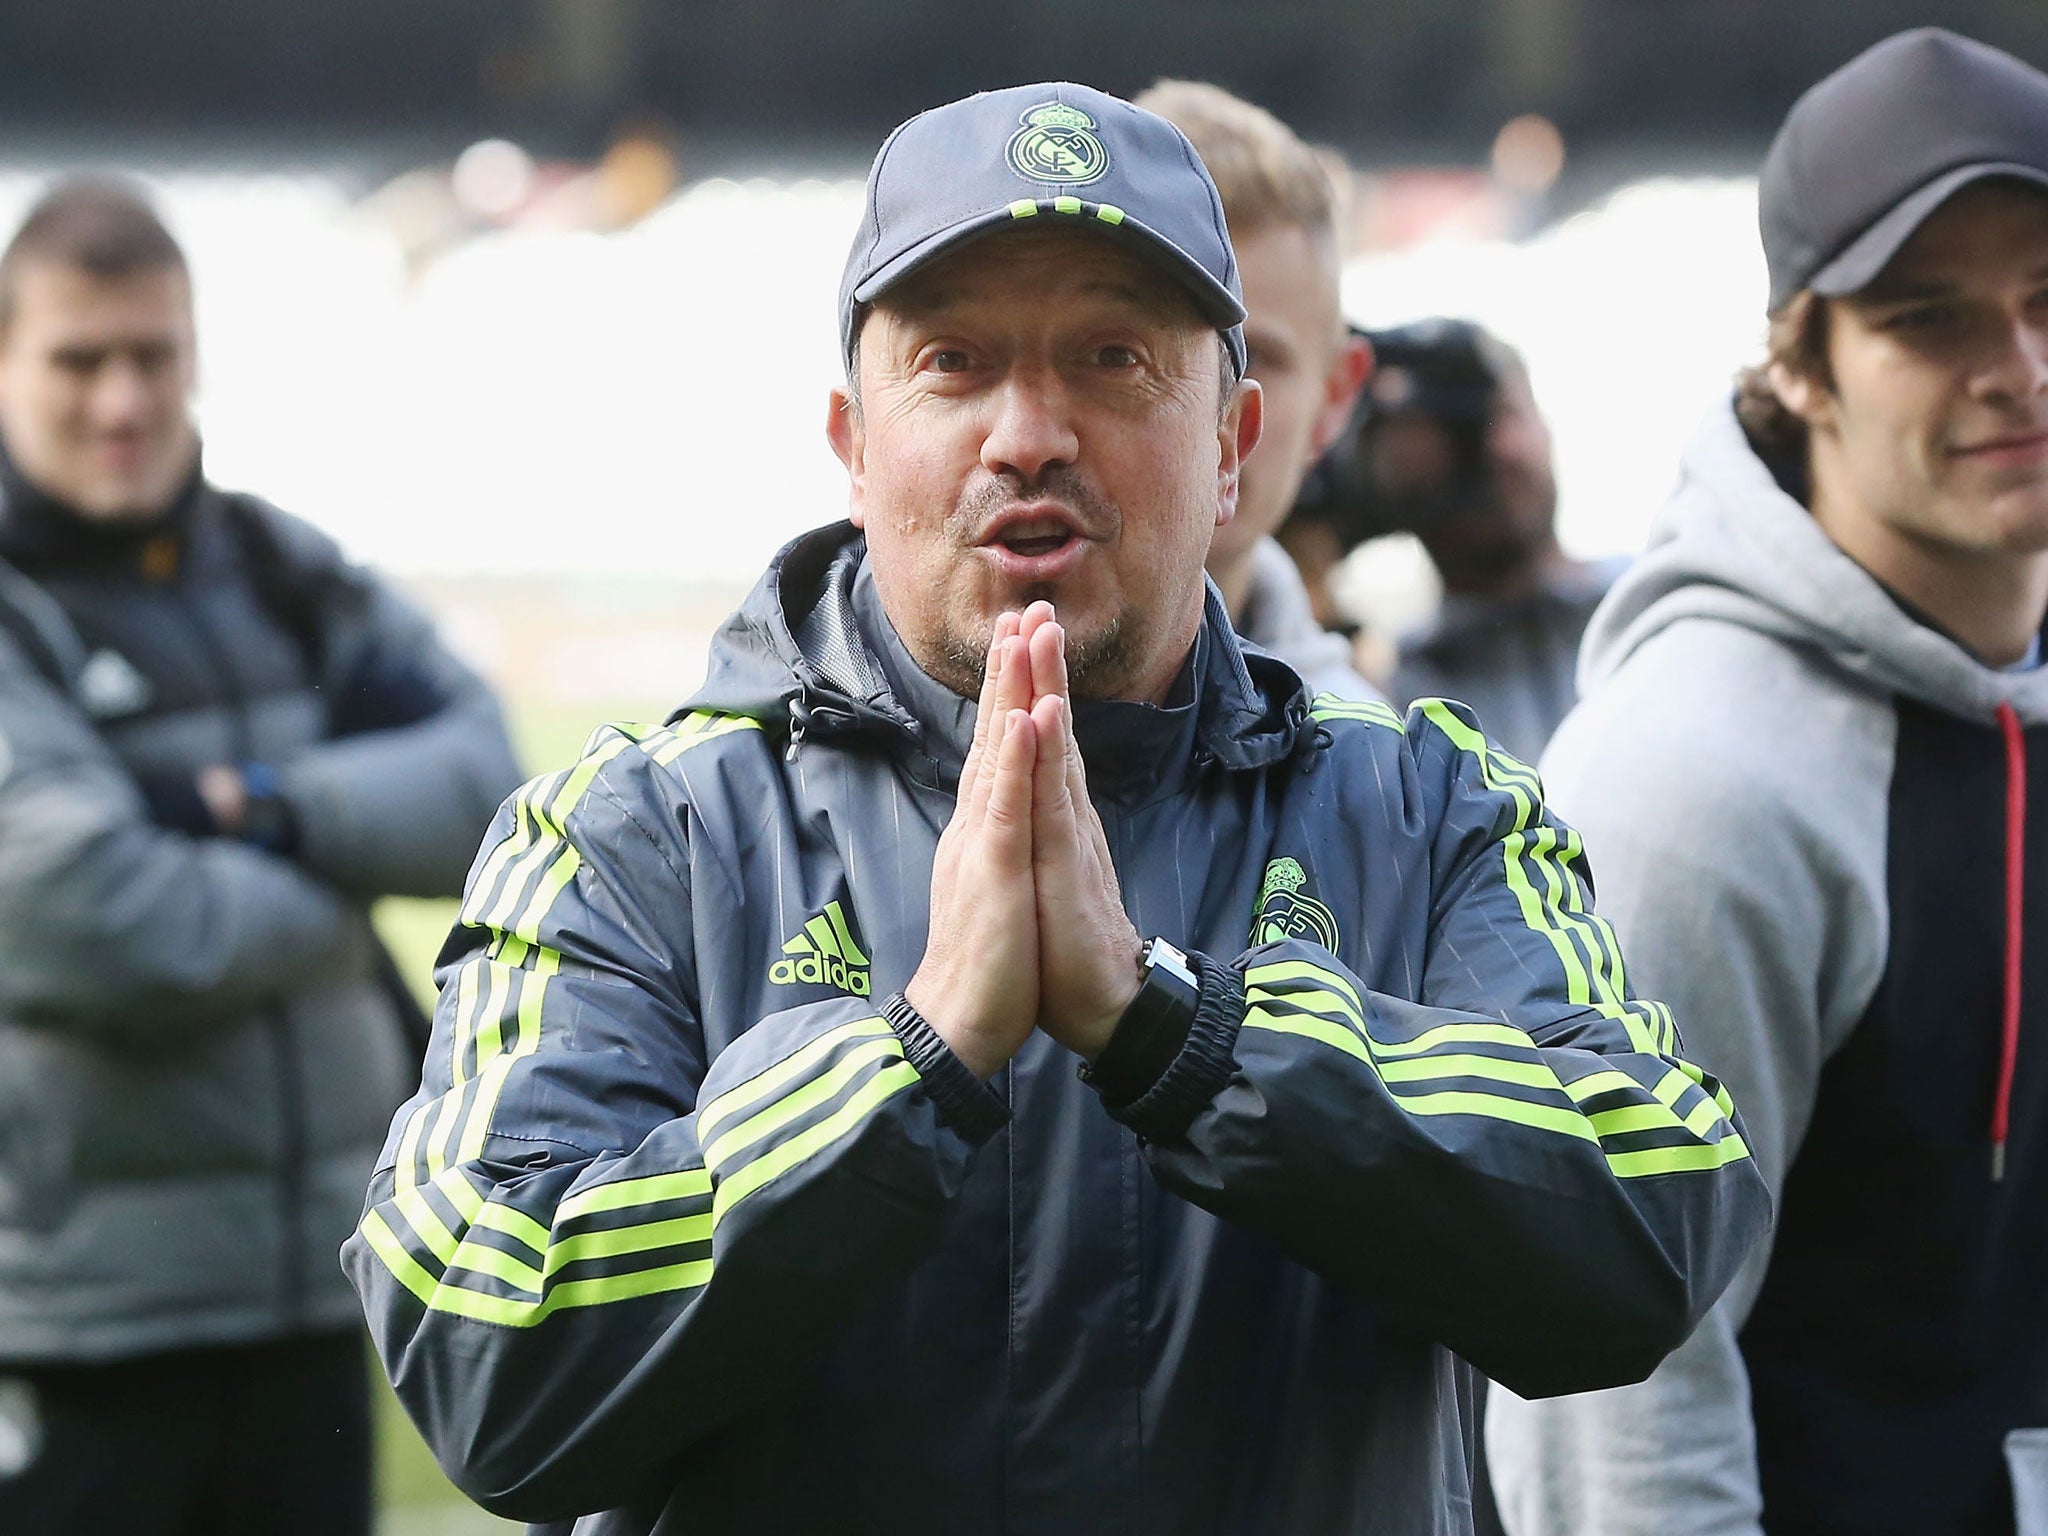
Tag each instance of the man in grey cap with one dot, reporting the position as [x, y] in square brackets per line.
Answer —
[995, 1061]
[1812, 753]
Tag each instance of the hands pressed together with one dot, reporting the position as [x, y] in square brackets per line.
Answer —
[1028, 929]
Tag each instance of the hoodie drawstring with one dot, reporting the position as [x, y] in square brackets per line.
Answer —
[2015, 907]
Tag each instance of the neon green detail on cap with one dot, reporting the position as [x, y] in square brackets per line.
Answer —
[1109, 213]
[1023, 208]
[1066, 205]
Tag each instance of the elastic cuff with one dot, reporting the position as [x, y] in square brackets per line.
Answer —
[1204, 1064]
[963, 1101]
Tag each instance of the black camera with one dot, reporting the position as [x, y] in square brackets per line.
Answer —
[1415, 447]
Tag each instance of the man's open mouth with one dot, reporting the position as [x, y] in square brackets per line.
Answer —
[1033, 544]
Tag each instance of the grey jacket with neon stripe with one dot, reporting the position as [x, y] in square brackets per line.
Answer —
[679, 1230]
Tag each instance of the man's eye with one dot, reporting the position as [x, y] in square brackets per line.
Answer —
[1117, 356]
[1924, 317]
[947, 360]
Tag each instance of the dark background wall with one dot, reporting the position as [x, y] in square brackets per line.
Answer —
[1381, 77]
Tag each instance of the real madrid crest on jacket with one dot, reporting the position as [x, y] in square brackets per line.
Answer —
[772, 1270]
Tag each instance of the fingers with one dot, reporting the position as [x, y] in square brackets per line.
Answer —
[1033, 618]
[988, 718]
[1009, 820]
[1000, 689]
[1052, 806]
[984, 711]
[1048, 647]
[1012, 693]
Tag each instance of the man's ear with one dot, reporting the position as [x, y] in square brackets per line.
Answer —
[1803, 395]
[1237, 434]
[1345, 377]
[843, 432]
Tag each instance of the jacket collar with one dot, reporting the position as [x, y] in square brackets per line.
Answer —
[812, 650]
[40, 533]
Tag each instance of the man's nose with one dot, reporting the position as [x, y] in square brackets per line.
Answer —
[121, 394]
[2021, 368]
[1031, 426]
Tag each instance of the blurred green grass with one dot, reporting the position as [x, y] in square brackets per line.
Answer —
[413, 1498]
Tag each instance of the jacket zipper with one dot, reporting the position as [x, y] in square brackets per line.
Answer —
[2015, 927]
[291, 1107]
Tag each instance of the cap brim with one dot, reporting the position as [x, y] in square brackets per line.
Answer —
[1218, 305]
[1866, 255]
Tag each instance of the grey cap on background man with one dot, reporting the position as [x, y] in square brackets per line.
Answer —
[1867, 154]
[1043, 153]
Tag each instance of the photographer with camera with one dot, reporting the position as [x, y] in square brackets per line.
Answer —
[1447, 444]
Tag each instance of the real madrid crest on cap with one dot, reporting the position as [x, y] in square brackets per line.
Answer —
[949, 176]
[1058, 143]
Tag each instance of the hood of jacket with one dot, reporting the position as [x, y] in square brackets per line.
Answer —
[1732, 545]
[810, 654]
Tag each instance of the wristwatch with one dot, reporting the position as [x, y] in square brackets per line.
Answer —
[1152, 1030]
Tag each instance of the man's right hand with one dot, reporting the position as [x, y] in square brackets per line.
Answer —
[977, 985]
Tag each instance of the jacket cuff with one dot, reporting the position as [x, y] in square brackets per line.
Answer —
[1205, 1063]
[964, 1101]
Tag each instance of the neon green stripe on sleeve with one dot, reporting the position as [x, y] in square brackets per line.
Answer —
[1314, 1000]
[778, 1113]
[510, 846]
[1692, 1157]
[649, 1189]
[510, 1312]
[1525, 1074]
[791, 1067]
[705, 726]
[1300, 970]
[879, 1089]
[1309, 1026]
[405, 1269]
[1539, 1117]
[432, 1231]
[1328, 706]
[533, 988]
[1628, 1118]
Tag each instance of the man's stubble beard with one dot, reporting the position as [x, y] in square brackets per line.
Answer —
[1098, 666]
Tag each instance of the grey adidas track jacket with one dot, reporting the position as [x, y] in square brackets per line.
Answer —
[678, 1235]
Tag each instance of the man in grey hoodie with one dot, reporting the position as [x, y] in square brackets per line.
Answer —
[1814, 712]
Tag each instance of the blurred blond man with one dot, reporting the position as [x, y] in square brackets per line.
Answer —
[1281, 206]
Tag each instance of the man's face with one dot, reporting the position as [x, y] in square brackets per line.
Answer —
[1484, 537]
[1935, 432]
[96, 378]
[1040, 417]
[1309, 370]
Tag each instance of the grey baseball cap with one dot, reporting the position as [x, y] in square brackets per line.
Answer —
[1867, 154]
[1035, 154]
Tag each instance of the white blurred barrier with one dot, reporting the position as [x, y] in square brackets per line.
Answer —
[653, 402]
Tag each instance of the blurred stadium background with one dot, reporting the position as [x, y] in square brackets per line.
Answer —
[530, 301]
